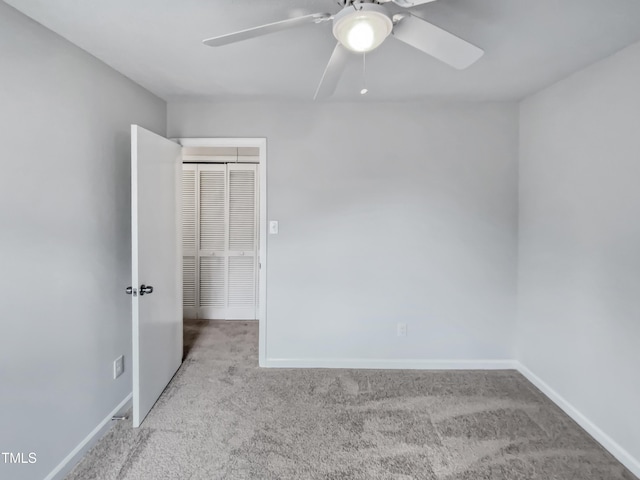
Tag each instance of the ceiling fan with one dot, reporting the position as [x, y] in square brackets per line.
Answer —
[361, 26]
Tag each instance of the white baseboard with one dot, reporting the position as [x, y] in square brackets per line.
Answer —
[390, 364]
[602, 438]
[66, 465]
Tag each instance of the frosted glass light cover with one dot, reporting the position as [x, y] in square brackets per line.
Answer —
[364, 29]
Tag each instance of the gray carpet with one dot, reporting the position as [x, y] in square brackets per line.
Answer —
[222, 417]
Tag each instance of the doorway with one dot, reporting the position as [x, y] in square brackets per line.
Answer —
[224, 220]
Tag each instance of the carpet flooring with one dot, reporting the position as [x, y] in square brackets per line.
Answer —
[222, 417]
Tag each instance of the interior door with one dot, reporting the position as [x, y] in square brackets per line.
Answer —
[156, 267]
[242, 242]
[212, 250]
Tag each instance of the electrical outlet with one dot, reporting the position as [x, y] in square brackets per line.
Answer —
[118, 366]
[402, 329]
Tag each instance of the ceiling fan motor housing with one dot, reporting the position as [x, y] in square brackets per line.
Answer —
[362, 27]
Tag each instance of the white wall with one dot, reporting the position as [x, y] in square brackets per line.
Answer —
[579, 249]
[64, 240]
[388, 213]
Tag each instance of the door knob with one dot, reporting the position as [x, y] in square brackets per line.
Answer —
[145, 289]
[131, 291]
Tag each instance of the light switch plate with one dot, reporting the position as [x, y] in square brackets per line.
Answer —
[118, 366]
[273, 227]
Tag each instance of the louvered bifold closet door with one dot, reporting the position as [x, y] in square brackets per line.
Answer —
[242, 242]
[213, 229]
[189, 243]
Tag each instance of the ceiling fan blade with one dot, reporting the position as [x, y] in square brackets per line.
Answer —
[266, 29]
[410, 3]
[333, 72]
[436, 42]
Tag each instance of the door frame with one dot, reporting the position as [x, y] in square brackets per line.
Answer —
[261, 143]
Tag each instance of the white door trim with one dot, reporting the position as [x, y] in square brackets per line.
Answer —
[261, 143]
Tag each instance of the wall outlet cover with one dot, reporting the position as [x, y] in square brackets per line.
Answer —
[402, 329]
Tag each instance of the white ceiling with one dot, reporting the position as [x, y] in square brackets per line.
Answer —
[529, 44]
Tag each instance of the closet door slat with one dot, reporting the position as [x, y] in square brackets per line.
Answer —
[242, 209]
[242, 282]
[189, 282]
[212, 282]
[212, 208]
[189, 214]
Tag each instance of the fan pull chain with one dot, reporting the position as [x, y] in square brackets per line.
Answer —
[364, 75]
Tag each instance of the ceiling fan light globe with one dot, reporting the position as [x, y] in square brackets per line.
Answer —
[362, 30]
[361, 36]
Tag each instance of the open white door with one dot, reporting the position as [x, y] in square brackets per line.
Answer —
[156, 257]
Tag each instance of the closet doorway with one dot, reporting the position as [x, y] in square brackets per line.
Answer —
[224, 220]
